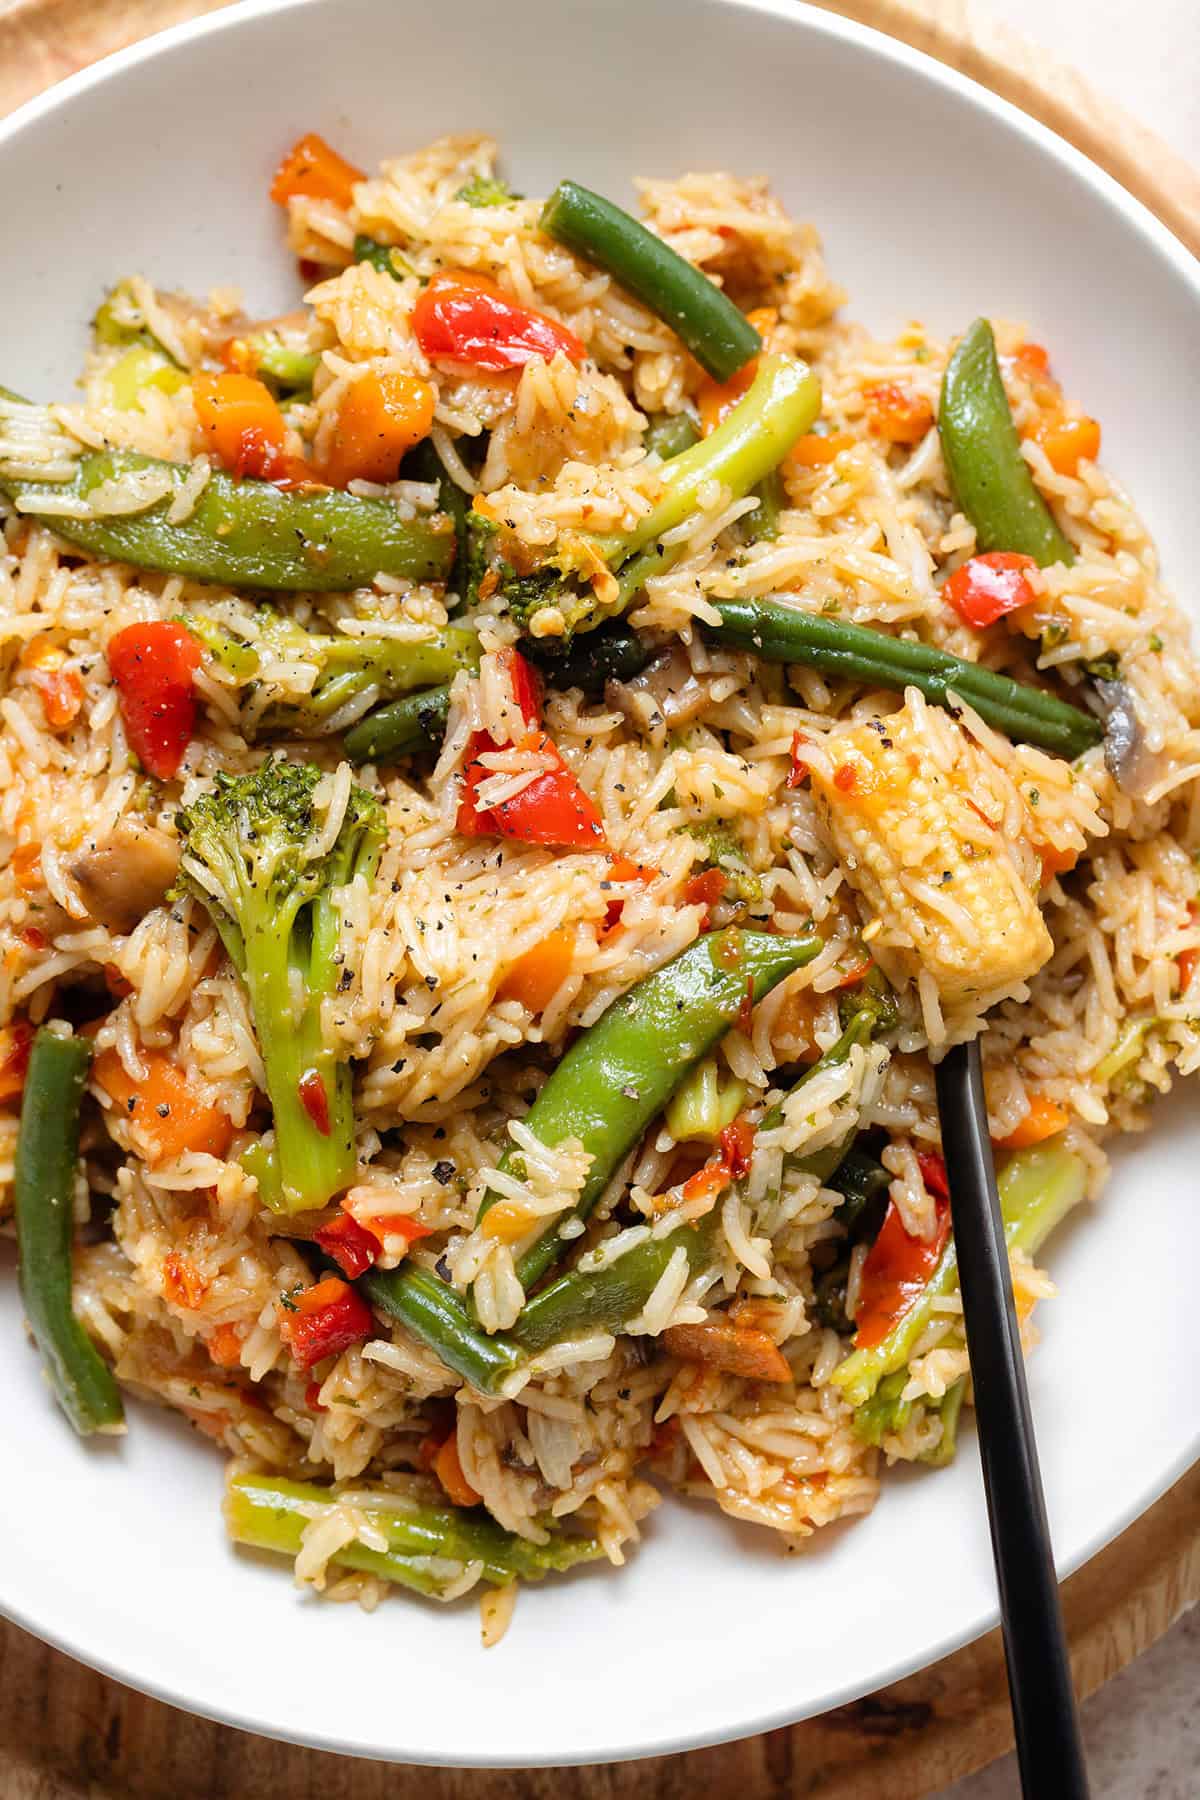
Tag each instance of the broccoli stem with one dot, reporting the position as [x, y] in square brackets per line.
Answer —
[779, 407]
[1038, 1187]
[428, 1546]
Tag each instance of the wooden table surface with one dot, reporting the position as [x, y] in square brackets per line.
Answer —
[67, 1733]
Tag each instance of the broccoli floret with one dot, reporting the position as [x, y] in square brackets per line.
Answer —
[589, 578]
[353, 673]
[253, 855]
[487, 190]
[723, 851]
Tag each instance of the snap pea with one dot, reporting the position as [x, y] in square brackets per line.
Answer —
[717, 333]
[428, 1546]
[47, 1158]
[606, 1090]
[991, 479]
[615, 1079]
[247, 534]
[607, 1299]
[779, 632]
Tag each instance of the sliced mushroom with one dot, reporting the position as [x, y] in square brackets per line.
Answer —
[664, 696]
[1132, 764]
[124, 878]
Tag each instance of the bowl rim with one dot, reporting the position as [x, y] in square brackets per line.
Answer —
[1162, 242]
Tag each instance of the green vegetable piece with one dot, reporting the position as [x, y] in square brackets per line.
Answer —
[284, 369]
[141, 367]
[236, 658]
[1038, 1187]
[393, 262]
[417, 722]
[982, 452]
[424, 464]
[779, 632]
[887, 1413]
[248, 858]
[762, 525]
[46, 1162]
[428, 1546]
[723, 851]
[1126, 1049]
[614, 1080]
[750, 441]
[434, 1312]
[248, 534]
[608, 1299]
[717, 333]
[704, 1104]
[590, 661]
[355, 672]
[671, 433]
[487, 190]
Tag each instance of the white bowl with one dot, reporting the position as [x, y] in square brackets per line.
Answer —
[935, 201]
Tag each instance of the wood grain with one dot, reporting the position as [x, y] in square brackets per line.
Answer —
[67, 1733]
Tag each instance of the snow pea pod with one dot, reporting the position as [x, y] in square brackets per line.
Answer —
[47, 1157]
[246, 534]
[990, 477]
[617, 1077]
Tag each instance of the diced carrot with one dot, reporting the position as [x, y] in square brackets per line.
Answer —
[449, 1471]
[225, 1346]
[1044, 1118]
[26, 865]
[897, 414]
[536, 977]
[813, 451]
[62, 696]
[733, 1349]
[183, 1283]
[242, 426]
[163, 1116]
[313, 169]
[16, 1041]
[379, 420]
[1068, 442]
[1056, 862]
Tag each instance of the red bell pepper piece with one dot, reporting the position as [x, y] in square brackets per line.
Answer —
[153, 666]
[351, 1247]
[315, 1100]
[467, 318]
[933, 1174]
[552, 809]
[323, 1320]
[896, 1269]
[985, 588]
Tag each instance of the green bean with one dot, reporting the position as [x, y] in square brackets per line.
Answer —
[780, 632]
[46, 1163]
[719, 336]
[434, 1312]
[416, 722]
[991, 479]
[615, 1079]
[245, 534]
[429, 1547]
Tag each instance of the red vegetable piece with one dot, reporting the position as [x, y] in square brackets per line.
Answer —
[526, 685]
[552, 809]
[737, 1146]
[468, 318]
[896, 1269]
[153, 666]
[315, 1100]
[985, 588]
[933, 1174]
[351, 1247]
[323, 1321]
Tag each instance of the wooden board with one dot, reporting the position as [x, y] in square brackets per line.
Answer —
[67, 1733]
